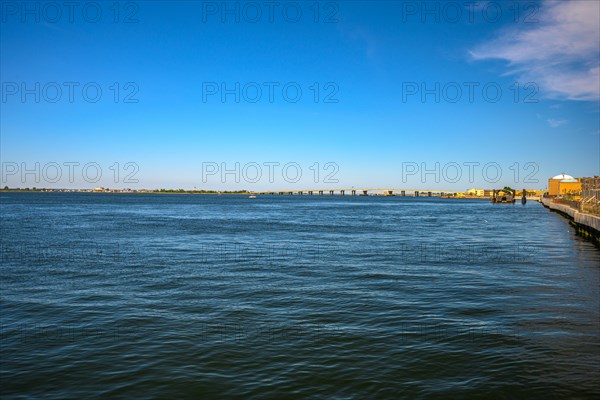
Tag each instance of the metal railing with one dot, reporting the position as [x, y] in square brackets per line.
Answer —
[590, 195]
[567, 202]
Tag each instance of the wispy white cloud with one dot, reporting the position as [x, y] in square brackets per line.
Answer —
[560, 53]
[555, 123]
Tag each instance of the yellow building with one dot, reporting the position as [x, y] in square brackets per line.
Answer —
[564, 185]
[480, 192]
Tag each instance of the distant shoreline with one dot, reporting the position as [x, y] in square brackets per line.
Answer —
[217, 193]
[90, 191]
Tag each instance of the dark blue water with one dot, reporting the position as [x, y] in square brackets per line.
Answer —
[187, 296]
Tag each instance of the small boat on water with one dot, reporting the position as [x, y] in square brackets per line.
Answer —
[503, 196]
[252, 197]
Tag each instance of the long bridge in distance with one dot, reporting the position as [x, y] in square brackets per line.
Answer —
[361, 192]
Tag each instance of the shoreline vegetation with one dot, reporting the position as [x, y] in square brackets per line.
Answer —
[120, 191]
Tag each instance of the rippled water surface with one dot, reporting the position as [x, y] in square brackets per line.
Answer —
[190, 296]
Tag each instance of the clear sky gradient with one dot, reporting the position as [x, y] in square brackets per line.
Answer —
[370, 60]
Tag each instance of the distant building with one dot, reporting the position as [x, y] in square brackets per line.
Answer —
[564, 184]
[479, 192]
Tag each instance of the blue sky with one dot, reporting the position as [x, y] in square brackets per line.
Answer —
[373, 60]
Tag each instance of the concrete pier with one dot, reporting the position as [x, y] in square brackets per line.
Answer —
[586, 224]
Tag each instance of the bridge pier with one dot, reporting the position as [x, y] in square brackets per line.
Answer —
[428, 194]
[416, 193]
[310, 192]
[320, 193]
[342, 192]
[365, 193]
[300, 193]
[354, 193]
[331, 192]
[403, 193]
